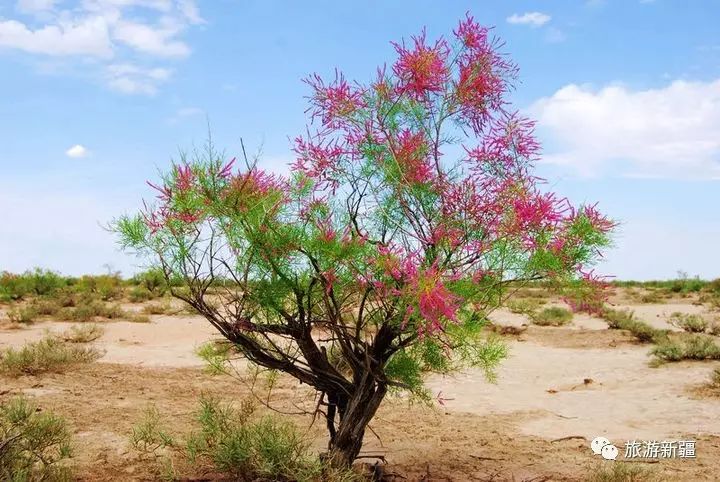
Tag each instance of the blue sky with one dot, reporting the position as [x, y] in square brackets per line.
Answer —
[100, 94]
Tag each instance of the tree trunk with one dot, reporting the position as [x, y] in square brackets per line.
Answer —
[355, 416]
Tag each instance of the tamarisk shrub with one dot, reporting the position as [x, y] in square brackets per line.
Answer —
[410, 207]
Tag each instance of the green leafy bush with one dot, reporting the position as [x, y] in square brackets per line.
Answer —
[33, 444]
[553, 316]
[107, 286]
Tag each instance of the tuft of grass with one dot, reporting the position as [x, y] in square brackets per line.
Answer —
[23, 314]
[33, 444]
[149, 435]
[652, 297]
[138, 294]
[157, 309]
[47, 355]
[46, 306]
[621, 472]
[687, 346]
[137, 318]
[689, 323]
[83, 333]
[524, 306]
[625, 320]
[714, 328]
[552, 316]
[237, 443]
[216, 356]
[715, 378]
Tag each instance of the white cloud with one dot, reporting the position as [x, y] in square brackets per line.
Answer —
[673, 131]
[131, 79]
[105, 29]
[534, 19]
[150, 39]
[88, 37]
[77, 151]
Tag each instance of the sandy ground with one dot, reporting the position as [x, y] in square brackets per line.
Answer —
[559, 388]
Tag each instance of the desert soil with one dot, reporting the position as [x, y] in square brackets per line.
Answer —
[558, 389]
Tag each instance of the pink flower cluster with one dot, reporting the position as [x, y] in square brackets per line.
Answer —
[421, 69]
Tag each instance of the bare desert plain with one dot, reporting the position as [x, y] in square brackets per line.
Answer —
[560, 387]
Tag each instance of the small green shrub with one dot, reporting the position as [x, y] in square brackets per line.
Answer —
[621, 472]
[13, 287]
[715, 378]
[137, 318]
[157, 308]
[216, 355]
[107, 286]
[152, 282]
[714, 328]
[138, 294]
[687, 347]
[553, 316]
[33, 444]
[689, 323]
[46, 306]
[149, 436]
[652, 297]
[617, 319]
[89, 309]
[22, 314]
[83, 333]
[625, 320]
[238, 444]
[47, 355]
[523, 306]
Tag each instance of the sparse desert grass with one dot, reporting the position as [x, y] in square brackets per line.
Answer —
[714, 328]
[621, 472]
[22, 314]
[47, 355]
[157, 309]
[651, 297]
[137, 317]
[149, 435]
[84, 333]
[216, 355]
[236, 443]
[552, 316]
[33, 443]
[687, 346]
[715, 378]
[138, 294]
[625, 320]
[524, 306]
[689, 323]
